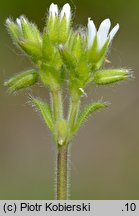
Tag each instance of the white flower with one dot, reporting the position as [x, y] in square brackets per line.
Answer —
[53, 10]
[18, 21]
[102, 34]
[66, 11]
[8, 21]
[91, 32]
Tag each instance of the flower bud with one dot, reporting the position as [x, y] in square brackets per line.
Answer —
[64, 31]
[13, 29]
[58, 24]
[53, 23]
[26, 36]
[109, 76]
[53, 10]
[77, 46]
[23, 80]
[64, 23]
[98, 41]
[47, 48]
[68, 59]
[31, 49]
[66, 12]
[30, 30]
[53, 29]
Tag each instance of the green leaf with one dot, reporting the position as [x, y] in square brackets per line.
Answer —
[45, 110]
[22, 80]
[86, 112]
[109, 76]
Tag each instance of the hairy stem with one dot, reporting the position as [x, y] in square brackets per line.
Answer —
[73, 113]
[57, 105]
[62, 150]
[62, 139]
[62, 173]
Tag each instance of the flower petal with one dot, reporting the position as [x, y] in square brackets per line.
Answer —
[91, 32]
[18, 21]
[66, 11]
[103, 31]
[113, 32]
[8, 21]
[53, 10]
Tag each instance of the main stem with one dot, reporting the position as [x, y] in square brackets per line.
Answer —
[62, 167]
[62, 173]
[62, 151]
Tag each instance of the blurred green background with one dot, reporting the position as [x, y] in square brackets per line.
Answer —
[105, 153]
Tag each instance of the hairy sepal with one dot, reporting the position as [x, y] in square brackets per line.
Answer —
[22, 80]
[104, 77]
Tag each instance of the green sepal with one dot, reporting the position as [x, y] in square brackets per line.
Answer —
[53, 28]
[103, 77]
[68, 59]
[45, 111]
[96, 57]
[14, 30]
[30, 31]
[63, 30]
[79, 78]
[92, 52]
[47, 48]
[101, 55]
[86, 112]
[77, 48]
[24, 31]
[58, 29]
[22, 80]
[32, 49]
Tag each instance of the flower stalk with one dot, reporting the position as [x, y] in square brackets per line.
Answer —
[57, 105]
[64, 57]
[73, 114]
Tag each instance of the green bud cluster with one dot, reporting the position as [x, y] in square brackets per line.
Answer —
[63, 55]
